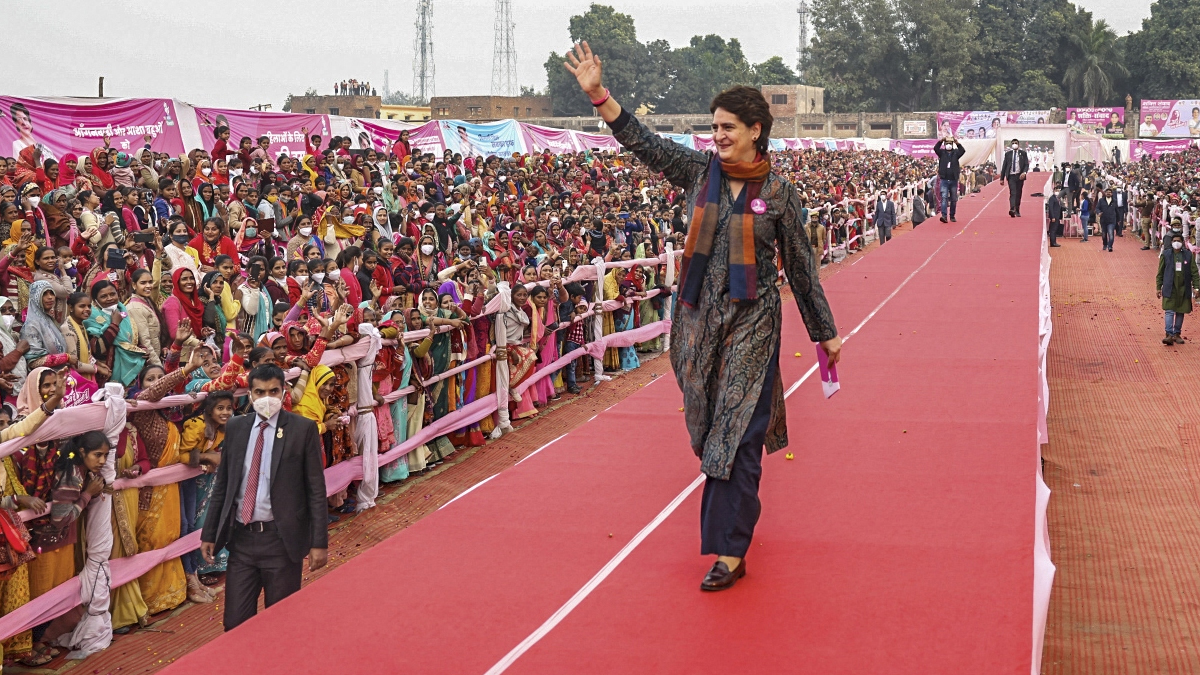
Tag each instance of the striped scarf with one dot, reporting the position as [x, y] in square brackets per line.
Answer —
[743, 271]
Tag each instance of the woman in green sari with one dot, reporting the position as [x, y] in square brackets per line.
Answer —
[111, 325]
[439, 401]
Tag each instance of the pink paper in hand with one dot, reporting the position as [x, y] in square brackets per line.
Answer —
[829, 378]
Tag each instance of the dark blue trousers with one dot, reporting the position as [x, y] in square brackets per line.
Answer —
[729, 509]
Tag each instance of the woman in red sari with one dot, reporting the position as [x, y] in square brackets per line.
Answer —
[100, 168]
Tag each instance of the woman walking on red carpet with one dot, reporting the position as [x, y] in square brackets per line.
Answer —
[727, 315]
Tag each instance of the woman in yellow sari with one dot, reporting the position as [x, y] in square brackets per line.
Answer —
[14, 588]
[164, 586]
[128, 605]
[612, 291]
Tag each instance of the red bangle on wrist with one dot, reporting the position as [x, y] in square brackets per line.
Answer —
[597, 104]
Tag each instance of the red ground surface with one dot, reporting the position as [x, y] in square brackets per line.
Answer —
[899, 539]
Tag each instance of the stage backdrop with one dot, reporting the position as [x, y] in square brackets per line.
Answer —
[59, 126]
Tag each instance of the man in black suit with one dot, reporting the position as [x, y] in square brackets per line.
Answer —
[1016, 165]
[1054, 216]
[1121, 198]
[949, 151]
[269, 499]
[1074, 183]
[1106, 213]
[884, 218]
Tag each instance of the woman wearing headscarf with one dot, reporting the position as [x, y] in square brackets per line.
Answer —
[204, 196]
[46, 343]
[164, 586]
[151, 327]
[14, 588]
[108, 313]
[66, 170]
[99, 167]
[324, 404]
[16, 263]
[257, 307]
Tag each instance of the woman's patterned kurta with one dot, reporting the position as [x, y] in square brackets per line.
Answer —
[720, 349]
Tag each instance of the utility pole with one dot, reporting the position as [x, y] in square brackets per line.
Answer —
[101, 94]
[261, 106]
[387, 91]
[504, 54]
[423, 68]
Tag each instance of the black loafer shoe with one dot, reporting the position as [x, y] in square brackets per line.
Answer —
[719, 577]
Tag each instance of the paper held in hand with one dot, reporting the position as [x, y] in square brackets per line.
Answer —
[829, 378]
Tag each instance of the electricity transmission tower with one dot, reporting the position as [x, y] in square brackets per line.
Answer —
[423, 69]
[804, 13]
[504, 55]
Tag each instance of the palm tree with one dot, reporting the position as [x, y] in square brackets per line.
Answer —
[1097, 61]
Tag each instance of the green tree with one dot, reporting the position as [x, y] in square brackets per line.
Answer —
[1097, 62]
[703, 69]
[1162, 55]
[854, 54]
[613, 37]
[287, 103]
[402, 98]
[1035, 91]
[774, 71]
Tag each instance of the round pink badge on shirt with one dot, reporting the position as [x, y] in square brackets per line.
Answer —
[758, 206]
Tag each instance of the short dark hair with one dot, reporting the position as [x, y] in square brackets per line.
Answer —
[265, 373]
[750, 107]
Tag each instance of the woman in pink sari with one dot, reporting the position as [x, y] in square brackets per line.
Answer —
[545, 342]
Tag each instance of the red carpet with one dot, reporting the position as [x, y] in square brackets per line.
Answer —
[899, 539]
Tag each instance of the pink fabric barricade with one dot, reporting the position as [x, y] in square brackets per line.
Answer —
[284, 130]
[60, 126]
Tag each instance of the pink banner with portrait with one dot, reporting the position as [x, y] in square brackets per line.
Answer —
[1099, 121]
[1170, 118]
[58, 127]
[557, 141]
[704, 143]
[285, 130]
[376, 135]
[1156, 149]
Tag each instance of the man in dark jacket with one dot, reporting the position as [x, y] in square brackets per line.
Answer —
[1106, 213]
[1015, 166]
[1054, 216]
[884, 218]
[949, 151]
[1176, 282]
[1074, 185]
[1121, 197]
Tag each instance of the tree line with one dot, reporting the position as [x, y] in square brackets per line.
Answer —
[908, 55]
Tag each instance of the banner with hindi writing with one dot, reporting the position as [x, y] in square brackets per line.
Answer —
[1099, 121]
[61, 126]
[1170, 118]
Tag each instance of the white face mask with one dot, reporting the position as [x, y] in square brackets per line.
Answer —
[235, 172]
[267, 406]
[8, 320]
[1177, 245]
[335, 274]
[427, 249]
[1014, 146]
[377, 190]
[347, 219]
[34, 201]
[206, 171]
[318, 277]
[305, 231]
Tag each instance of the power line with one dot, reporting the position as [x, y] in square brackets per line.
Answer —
[504, 55]
[423, 68]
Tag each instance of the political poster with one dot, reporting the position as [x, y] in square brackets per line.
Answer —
[970, 124]
[919, 149]
[284, 130]
[604, 142]
[1155, 149]
[378, 135]
[61, 126]
[1099, 121]
[1170, 118]
[501, 139]
[1027, 116]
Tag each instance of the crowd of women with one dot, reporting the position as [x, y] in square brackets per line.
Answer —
[178, 274]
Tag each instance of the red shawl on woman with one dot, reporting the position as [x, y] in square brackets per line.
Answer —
[66, 175]
[191, 304]
[102, 175]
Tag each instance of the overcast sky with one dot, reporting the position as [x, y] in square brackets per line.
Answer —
[237, 54]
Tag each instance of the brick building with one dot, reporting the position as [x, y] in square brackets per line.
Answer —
[789, 100]
[347, 106]
[489, 108]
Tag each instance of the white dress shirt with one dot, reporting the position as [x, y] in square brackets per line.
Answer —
[262, 500]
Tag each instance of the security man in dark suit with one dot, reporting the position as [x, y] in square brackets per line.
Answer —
[1016, 165]
[268, 502]
[1054, 216]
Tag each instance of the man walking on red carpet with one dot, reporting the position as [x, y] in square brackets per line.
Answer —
[1016, 165]
[270, 494]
